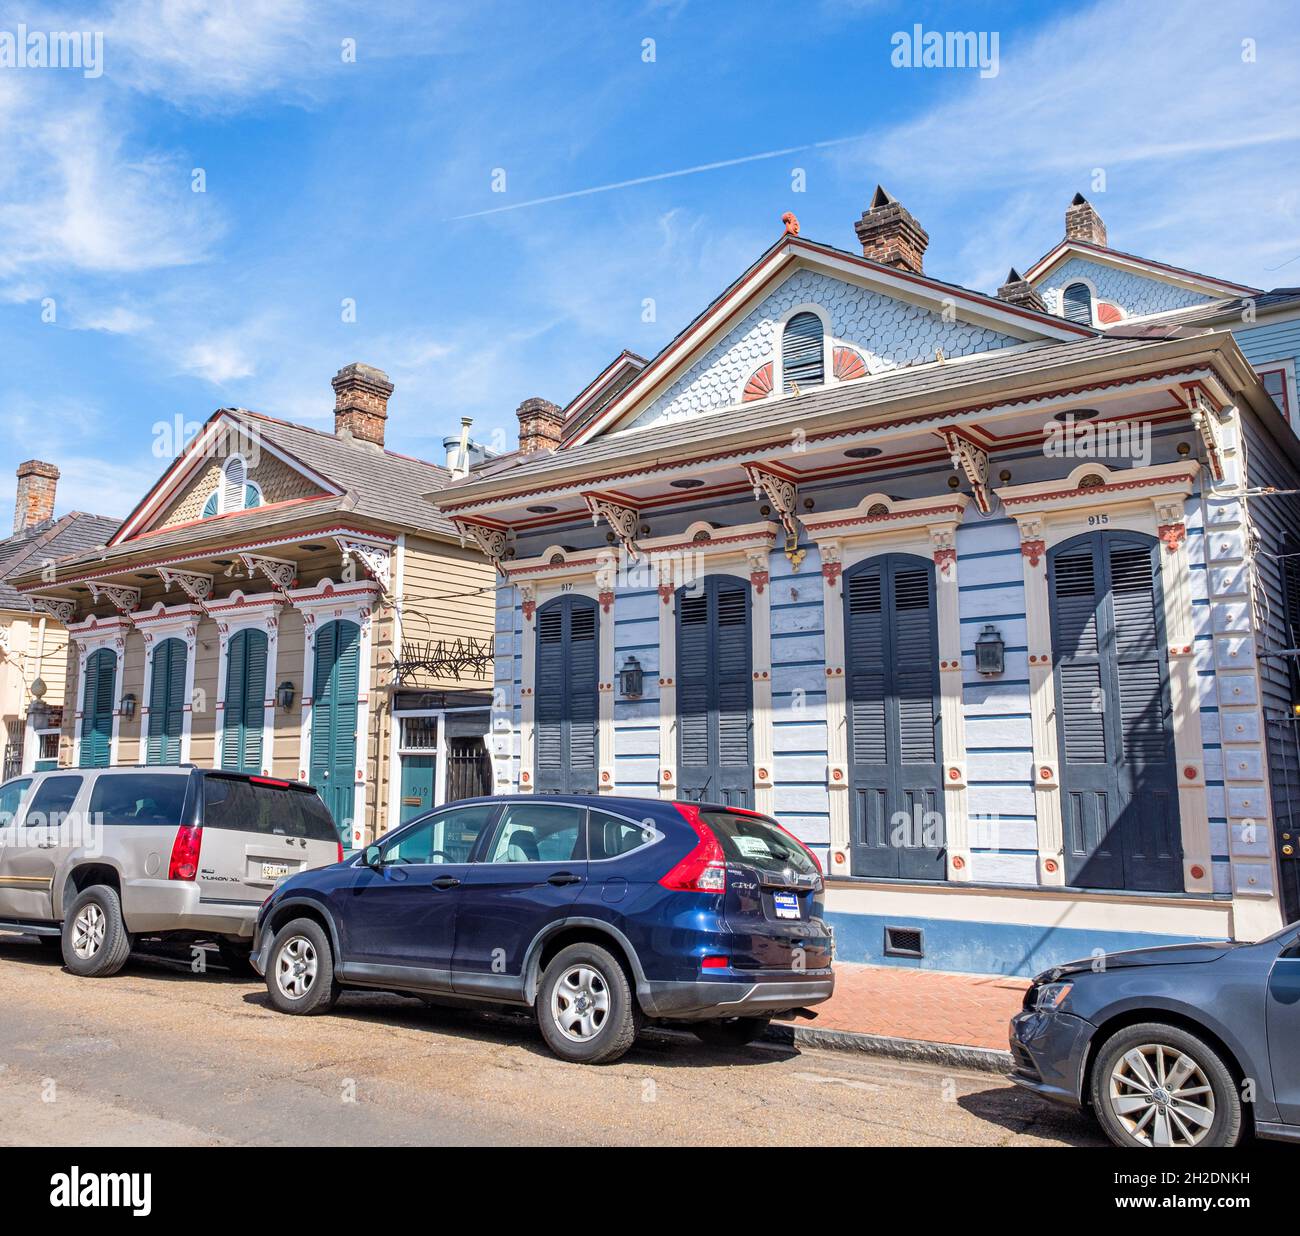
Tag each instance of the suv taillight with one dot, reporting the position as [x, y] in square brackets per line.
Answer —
[340, 859]
[184, 863]
[704, 869]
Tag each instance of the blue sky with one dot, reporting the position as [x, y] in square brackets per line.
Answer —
[328, 180]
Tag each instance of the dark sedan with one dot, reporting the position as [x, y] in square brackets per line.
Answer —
[1185, 1045]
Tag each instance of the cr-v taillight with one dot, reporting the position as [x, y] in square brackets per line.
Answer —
[184, 864]
[704, 869]
[340, 851]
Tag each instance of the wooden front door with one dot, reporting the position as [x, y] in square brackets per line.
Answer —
[1119, 789]
[892, 686]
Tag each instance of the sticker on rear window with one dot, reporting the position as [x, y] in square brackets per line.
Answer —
[752, 847]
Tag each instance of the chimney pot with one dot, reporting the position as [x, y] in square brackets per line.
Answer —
[1082, 222]
[540, 425]
[37, 482]
[1019, 291]
[361, 395]
[889, 233]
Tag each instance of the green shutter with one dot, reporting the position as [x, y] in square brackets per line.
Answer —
[244, 712]
[166, 702]
[97, 709]
[336, 681]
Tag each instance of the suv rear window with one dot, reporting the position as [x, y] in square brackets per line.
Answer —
[261, 807]
[758, 843]
[139, 798]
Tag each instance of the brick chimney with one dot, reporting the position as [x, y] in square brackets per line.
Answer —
[540, 423]
[361, 402]
[890, 234]
[37, 482]
[1019, 291]
[1082, 222]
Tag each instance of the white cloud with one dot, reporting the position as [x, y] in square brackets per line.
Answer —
[118, 320]
[218, 360]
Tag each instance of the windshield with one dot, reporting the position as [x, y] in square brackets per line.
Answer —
[759, 843]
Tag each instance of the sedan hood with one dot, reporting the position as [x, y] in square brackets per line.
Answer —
[1161, 955]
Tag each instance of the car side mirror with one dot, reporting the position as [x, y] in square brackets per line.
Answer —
[372, 858]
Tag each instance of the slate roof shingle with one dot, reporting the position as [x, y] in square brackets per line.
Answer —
[71, 534]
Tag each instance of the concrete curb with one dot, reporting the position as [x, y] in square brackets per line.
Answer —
[954, 1055]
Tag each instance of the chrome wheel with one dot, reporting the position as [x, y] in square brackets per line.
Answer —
[88, 931]
[580, 1003]
[1161, 1096]
[295, 967]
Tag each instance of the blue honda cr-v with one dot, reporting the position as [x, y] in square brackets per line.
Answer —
[599, 913]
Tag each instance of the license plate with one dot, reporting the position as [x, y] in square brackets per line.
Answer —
[786, 905]
[273, 871]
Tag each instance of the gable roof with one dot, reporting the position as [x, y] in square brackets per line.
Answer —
[1225, 309]
[1162, 271]
[771, 268]
[352, 475]
[74, 533]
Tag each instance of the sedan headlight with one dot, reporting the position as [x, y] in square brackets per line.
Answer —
[1051, 995]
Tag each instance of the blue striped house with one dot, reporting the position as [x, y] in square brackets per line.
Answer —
[979, 595]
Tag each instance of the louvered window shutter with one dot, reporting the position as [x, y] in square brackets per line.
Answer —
[1076, 303]
[915, 657]
[693, 678]
[1138, 663]
[97, 709]
[322, 729]
[233, 481]
[241, 741]
[583, 674]
[166, 702]
[866, 666]
[733, 673]
[802, 356]
[1076, 599]
[549, 692]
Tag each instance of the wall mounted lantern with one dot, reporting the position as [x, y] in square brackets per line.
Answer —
[128, 706]
[631, 679]
[284, 695]
[990, 651]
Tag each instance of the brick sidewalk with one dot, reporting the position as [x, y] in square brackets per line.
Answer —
[898, 1002]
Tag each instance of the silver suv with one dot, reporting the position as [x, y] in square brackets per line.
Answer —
[92, 859]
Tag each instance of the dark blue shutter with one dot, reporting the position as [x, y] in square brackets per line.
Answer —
[97, 709]
[892, 697]
[715, 692]
[241, 736]
[166, 702]
[802, 356]
[1119, 796]
[1076, 303]
[566, 709]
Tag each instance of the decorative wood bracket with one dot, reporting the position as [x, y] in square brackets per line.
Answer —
[492, 541]
[758, 572]
[377, 559]
[125, 600]
[527, 601]
[1033, 546]
[783, 494]
[64, 611]
[1210, 428]
[622, 520]
[279, 572]
[974, 462]
[194, 585]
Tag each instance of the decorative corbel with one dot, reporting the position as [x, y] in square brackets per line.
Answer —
[832, 567]
[1208, 425]
[492, 541]
[758, 572]
[280, 573]
[622, 520]
[1032, 544]
[1171, 528]
[974, 462]
[194, 585]
[527, 601]
[64, 611]
[943, 542]
[783, 494]
[125, 600]
[377, 559]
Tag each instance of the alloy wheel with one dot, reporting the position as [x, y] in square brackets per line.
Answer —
[88, 931]
[580, 1003]
[295, 967]
[1161, 1096]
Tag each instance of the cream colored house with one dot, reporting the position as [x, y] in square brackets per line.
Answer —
[283, 602]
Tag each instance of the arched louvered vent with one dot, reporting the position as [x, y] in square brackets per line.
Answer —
[234, 478]
[1076, 303]
[802, 358]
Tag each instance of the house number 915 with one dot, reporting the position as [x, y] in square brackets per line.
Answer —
[1094, 520]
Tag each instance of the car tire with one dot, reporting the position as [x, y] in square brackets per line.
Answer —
[586, 1008]
[95, 940]
[300, 969]
[1131, 1076]
[733, 1032]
